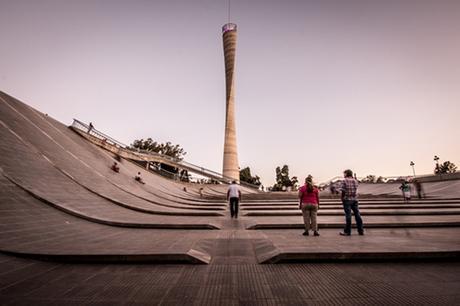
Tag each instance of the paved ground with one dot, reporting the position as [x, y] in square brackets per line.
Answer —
[29, 282]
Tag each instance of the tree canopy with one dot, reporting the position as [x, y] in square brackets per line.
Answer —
[169, 149]
[245, 176]
[283, 180]
[445, 167]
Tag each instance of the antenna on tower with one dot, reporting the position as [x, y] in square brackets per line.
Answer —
[228, 11]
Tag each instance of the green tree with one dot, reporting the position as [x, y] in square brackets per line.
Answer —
[245, 176]
[445, 167]
[283, 180]
[167, 148]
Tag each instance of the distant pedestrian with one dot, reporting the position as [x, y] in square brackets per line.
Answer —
[419, 189]
[90, 127]
[332, 188]
[349, 190]
[138, 178]
[115, 167]
[405, 188]
[201, 192]
[234, 197]
[309, 204]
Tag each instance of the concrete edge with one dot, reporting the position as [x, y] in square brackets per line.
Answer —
[273, 209]
[367, 225]
[265, 250]
[362, 213]
[189, 257]
[199, 256]
[286, 257]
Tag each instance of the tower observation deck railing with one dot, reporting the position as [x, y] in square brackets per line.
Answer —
[145, 155]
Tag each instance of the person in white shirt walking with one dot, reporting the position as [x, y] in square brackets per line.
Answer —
[234, 196]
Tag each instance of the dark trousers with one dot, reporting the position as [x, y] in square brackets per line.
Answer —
[348, 206]
[234, 207]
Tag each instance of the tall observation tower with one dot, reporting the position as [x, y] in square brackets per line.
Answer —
[230, 165]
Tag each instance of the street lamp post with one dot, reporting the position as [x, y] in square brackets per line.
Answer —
[412, 164]
[436, 159]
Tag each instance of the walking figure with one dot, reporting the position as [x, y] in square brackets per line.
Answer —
[234, 197]
[405, 188]
[90, 128]
[419, 189]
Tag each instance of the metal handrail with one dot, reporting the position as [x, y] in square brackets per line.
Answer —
[77, 124]
[93, 132]
[98, 134]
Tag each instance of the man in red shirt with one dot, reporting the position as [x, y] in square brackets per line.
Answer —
[309, 204]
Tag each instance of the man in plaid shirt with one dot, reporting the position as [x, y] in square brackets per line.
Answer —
[349, 189]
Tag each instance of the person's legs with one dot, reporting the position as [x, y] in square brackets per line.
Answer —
[313, 214]
[235, 210]
[232, 208]
[306, 217]
[347, 210]
[407, 195]
[359, 220]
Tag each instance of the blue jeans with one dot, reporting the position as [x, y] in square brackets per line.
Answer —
[348, 206]
[234, 207]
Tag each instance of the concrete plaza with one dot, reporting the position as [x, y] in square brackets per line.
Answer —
[75, 232]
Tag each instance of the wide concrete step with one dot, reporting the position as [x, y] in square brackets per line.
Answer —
[391, 245]
[395, 221]
[363, 212]
[365, 206]
[361, 202]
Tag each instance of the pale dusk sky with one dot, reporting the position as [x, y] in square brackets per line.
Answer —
[320, 85]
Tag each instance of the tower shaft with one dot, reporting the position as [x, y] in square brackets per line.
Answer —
[230, 163]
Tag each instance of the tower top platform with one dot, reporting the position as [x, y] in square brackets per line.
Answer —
[228, 27]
